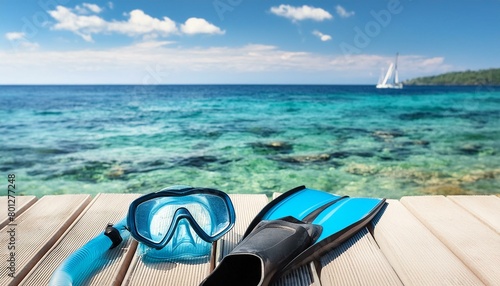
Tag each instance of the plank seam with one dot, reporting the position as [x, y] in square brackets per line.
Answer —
[44, 250]
[460, 256]
[371, 231]
[127, 262]
[128, 275]
[61, 238]
[473, 214]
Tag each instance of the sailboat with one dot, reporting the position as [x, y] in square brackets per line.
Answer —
[391, 78]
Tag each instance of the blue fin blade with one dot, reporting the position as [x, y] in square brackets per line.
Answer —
[345, 213]
[300, 204]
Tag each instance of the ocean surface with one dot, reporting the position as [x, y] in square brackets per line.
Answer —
[352, 140]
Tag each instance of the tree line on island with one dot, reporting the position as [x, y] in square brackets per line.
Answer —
[480, 77]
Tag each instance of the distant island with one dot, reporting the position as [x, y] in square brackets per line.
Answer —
[480, 77]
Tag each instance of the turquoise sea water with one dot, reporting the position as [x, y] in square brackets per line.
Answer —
[353, 140]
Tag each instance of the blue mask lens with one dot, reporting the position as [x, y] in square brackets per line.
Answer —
[185, 244]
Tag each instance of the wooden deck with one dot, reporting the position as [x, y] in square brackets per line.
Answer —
[427, 240]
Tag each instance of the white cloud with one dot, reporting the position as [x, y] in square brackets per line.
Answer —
[408, 65]
[81, 25]
[138, 24]
[322, 36]
[199, 26]
[250, 63]
[342, 12]
[301, 13]
[18, 41]
[426, 65]
[12, 36]
[92, 7]
[29, 46]
[87, 8]
[152, 44]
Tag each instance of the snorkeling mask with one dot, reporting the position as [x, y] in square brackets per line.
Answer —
[180, 222]
[176, 223]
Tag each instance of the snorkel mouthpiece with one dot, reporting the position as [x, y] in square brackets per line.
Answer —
[114, 234]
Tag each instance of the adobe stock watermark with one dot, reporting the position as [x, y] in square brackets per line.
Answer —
[154, 76]
[223, 6]
[31, 25]
[363, 36]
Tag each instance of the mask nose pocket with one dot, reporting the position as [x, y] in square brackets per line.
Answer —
[183, 235]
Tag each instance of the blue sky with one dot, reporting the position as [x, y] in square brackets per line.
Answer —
[242, 41]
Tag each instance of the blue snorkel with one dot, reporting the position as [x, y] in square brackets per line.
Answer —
[70, 271]
[177, 223]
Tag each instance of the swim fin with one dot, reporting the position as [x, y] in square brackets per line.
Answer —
[339, 217]
[268, 248]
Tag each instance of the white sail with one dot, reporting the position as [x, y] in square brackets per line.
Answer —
[388, 74]
[391, 79]
[396, 76]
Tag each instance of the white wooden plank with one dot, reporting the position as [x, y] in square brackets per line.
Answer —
[476, 244]
[485, 208]
[304, 276]
[166, 273]
[37, 229]
[22, 203]
[104, 209]
[358, 261]
[417, 256]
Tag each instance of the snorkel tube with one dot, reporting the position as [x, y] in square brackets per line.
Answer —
[83, 261]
